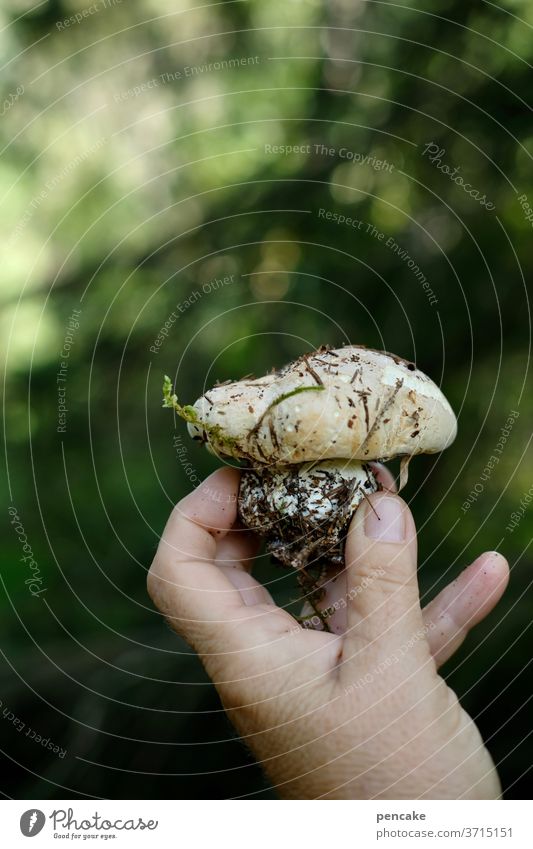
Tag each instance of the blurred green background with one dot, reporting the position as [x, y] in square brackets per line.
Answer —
[138, 167]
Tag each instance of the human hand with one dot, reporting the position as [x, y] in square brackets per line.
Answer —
[358, 713]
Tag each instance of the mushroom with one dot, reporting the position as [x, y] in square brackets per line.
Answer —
[307, 434]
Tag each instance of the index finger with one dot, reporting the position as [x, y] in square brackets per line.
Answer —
[184, 582]
[199, 600]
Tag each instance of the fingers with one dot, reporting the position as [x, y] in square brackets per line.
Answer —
[235, 555]
[184, 583]
[238, 548]
[448, 618]
[252, 592]
[219, 609]
[383, 609]
[464, 603]
[333, 602]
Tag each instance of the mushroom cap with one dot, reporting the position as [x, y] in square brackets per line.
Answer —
[352, 402]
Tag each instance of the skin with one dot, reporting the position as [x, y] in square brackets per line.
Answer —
[360, 713]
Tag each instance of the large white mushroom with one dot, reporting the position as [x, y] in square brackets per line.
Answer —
[306, 434]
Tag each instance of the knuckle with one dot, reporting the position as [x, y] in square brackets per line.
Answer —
[157, 581]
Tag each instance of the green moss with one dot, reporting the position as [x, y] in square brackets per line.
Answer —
[279, 400]
[297, 391]
[214, 433]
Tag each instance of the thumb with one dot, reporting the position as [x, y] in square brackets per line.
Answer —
[383, 605]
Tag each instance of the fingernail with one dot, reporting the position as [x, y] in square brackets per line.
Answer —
[385, 519]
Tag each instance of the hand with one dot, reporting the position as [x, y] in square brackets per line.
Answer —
[360, 713]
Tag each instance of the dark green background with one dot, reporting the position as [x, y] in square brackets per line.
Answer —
[156, 193]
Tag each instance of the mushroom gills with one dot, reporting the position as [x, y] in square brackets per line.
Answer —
[303, 510]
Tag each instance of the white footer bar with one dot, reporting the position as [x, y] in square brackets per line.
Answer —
[267, 824]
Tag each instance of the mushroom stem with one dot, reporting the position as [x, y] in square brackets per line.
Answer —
[303, 510]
